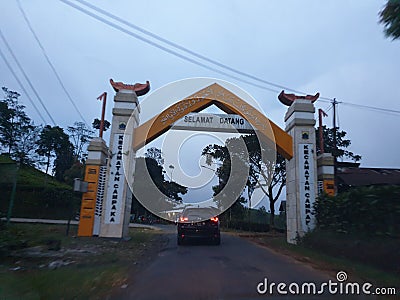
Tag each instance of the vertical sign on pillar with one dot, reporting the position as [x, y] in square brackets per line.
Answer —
[307, 185]
[116, 183]
[99, 200]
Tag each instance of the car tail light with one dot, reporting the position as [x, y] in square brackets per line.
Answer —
[184, 219]
[215, 219]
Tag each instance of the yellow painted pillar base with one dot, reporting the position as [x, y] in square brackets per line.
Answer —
[88, 205]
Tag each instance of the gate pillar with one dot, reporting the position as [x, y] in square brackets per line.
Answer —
[301, 172]
[89, 221]
[326, 174]
[118, 197]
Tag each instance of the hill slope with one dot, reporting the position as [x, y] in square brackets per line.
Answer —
[38, 195]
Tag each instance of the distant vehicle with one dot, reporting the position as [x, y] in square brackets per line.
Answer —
[144, 220]
[199, 224]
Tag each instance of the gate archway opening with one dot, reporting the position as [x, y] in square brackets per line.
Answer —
[269, 135]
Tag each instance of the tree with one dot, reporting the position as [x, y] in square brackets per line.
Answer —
[155, 154]
[150, 184]
[156, 171]
[9, 119]
[51, 142]
[25, 148]
[224, 197]
[341, 144]
[96, 124]
[65, 158]
[18, 134]
[266, 174]
[80, 135]
[76, 171]
[389, 16]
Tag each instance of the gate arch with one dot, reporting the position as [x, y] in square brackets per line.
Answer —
[223, 99]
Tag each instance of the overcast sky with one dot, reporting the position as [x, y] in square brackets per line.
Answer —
[333, 47]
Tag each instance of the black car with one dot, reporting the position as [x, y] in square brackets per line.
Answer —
[199, 224]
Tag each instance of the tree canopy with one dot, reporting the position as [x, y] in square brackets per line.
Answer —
[54, 142]
[389, 17]
[29, 144]
[18, 134]
[80, 135]
[268, 175]
[265, 173]
[341, 144]
[150, 185]
[96, 124]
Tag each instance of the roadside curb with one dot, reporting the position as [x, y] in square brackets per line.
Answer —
[72, 222]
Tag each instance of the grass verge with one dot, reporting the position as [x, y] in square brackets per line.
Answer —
[356, 271]
[82, 268]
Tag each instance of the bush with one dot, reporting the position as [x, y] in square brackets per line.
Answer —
[362, 248]
[40, 202]
[371, 210]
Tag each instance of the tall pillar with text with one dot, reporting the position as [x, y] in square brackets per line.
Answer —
[118, 198]
[301, 170]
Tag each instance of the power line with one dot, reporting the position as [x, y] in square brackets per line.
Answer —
[162, 47]
[21, 86]
[26, 77]
[182, 48]
[197, 55]
[49, 62]
[328, 108]
[372, 108]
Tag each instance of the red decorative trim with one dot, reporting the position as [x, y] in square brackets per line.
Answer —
[139, 88]
[288, 99]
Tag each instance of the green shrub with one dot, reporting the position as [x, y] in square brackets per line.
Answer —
[373, 210]
[378, 251]
[41, 202]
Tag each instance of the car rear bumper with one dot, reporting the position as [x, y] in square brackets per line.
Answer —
[198, 235]
[198, 232]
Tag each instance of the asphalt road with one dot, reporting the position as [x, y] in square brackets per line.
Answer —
[229, 271]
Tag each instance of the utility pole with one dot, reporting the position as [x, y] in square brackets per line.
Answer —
[104, 98]
[334, 102]
[321, 114]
